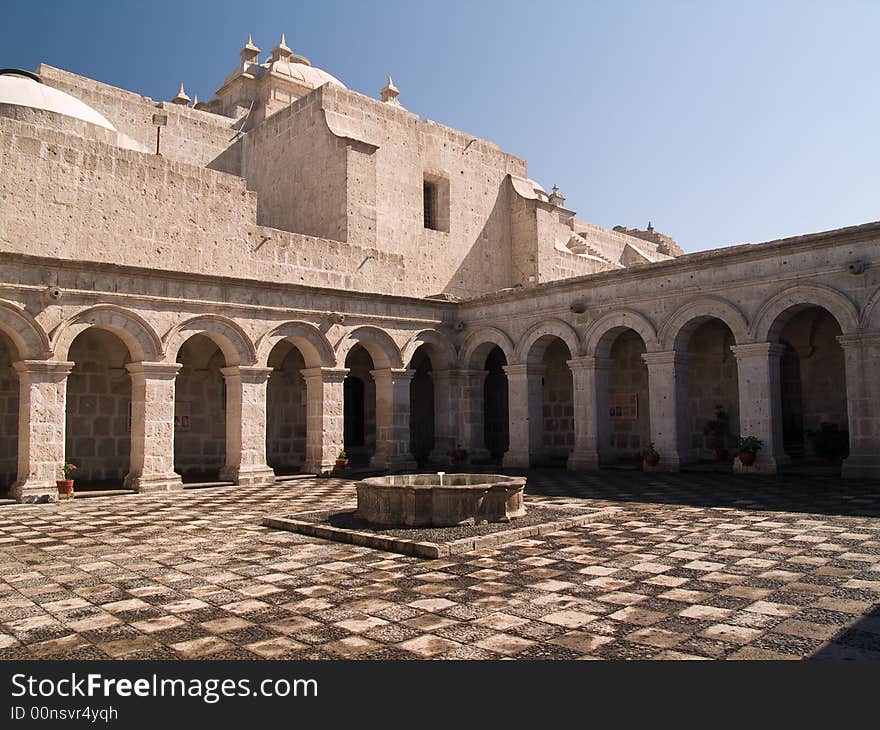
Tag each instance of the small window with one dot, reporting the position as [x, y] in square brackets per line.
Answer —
[435, 197]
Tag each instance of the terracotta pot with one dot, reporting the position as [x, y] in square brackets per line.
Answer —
[652, 459]
[341, 463]
[747, 458]
[65, 486]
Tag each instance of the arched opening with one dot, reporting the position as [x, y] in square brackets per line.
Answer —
[623, 408]
[359, 407]
[8, 414]
[421, 403]
[496, 426]
[712, 405]
[812, 386]
[200, 411]
[98, 430]
[286, 410]
[551, 402]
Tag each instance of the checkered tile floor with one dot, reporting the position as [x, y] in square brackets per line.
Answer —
[692, 566]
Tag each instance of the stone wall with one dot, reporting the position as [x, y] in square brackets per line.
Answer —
[98, 408]
[286, 410]
[200, 411]
[8, 415]
[192, 136]
[628, 431]
[78, 199]
[421, 400]
[558, 404]
[360, 364]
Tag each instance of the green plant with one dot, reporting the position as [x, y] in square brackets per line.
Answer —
[342, 455]
[717, 430]
[649, 450]
[830, 441]
[68, 470]
[751, 444]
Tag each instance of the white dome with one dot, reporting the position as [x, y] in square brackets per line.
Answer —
[304, 74]
[25, 92]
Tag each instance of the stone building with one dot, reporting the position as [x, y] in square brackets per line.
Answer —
[304, 269]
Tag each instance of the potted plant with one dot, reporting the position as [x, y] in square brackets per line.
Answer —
[749, 446]
[650, 454]
[65, 486]
[830, 442]
[458, 455]
[716, 432]
[342, 460]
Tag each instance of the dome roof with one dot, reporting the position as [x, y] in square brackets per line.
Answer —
[23, 91]
[302, 73]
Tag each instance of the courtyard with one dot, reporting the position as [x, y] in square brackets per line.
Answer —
[691, 565]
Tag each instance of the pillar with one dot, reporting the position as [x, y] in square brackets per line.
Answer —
[525, 413]
[590, 391]
[760, 403]
[41, 428]
[325, 418]
[246, 426]
[392, 420]
[152, 427]
[667, 386]
[448, 390]
[470, 413]
[862, 356]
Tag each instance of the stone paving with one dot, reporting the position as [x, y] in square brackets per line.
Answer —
[691, 566]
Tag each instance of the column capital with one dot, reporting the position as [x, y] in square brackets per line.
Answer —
[859, 339]
[396, 375]
[668, 357]
[757, 349]
[155, 370]
[326, 375]
[247, 373]
[44, 367]
[590, 362]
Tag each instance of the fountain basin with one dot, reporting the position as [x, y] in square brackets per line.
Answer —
[434, 500]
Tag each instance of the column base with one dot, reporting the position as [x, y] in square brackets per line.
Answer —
[766, 465]
[148, 483]
[248, 476]
[34, 492]
[587, 461]
[321, 468]
[513, 460]
[861, 466]
[396, 463]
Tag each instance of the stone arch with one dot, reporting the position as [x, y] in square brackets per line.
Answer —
[25, 332]
[232, 340]
[681, 323]
[382, 348]
[308, 339]
[768, 323]
[480, 342]
[600, 336]
[138, 335]
[871, 313]
[546, 330]
[441, 351]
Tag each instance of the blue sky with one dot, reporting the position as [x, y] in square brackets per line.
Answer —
[722, 122]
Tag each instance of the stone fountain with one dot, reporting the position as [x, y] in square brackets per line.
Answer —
[440, 500]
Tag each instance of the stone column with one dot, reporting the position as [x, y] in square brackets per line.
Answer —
[447, 400]
[525, 413]
[471, 423]
[760, 403]
[667, 386]
[246, 426]
[590, 391]
[325, 418]
[151, 466]
[862, 357]
[392, 420]
[41, 427]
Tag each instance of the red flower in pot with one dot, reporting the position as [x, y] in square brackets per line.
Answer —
[749, 446]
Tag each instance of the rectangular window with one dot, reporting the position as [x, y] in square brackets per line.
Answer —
[435, 198]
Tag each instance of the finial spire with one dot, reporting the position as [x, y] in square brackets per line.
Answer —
[281, 51]
[556, 198]
[390, 92]
[181, 97]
